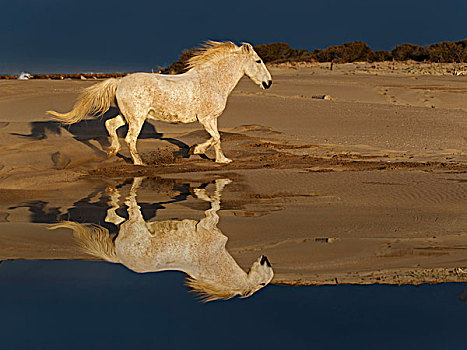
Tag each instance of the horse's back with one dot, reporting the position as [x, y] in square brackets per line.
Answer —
[172, 98]
[155, 81]
[166, 245]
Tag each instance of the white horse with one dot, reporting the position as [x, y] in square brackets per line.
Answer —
[200, 95]
[194, 247]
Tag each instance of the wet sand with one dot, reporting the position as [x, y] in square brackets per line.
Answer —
[368, 187]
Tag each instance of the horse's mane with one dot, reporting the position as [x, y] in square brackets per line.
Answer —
[209, 291]
[209, 51]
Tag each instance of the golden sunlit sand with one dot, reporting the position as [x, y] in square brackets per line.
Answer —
[367, 185]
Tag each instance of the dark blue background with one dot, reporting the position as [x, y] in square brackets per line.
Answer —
[121, 35]
[96, 305]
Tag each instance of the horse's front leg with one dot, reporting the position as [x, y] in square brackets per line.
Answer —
[134, 210]
[210, 125]
[211, 218]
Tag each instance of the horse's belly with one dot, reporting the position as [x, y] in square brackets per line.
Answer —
[170, 117]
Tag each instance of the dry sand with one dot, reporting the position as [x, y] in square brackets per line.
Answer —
[368, 187]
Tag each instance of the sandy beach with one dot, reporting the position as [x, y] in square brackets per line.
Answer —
[367, 185]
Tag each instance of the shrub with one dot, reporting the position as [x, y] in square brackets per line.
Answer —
[281, 52]
[348, 52]
[406, 52]
[380, 56]
[273, 52]
[179, 66]
[448, 51]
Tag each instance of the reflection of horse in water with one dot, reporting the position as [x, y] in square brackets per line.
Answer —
[93, 207]
[194, 247]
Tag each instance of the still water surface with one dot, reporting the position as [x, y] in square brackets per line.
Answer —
[80, 304]
[97, 305]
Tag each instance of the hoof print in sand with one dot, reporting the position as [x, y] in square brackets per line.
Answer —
[60, 161]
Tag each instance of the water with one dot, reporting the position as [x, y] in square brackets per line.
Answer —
[96, 305]
[53, 296]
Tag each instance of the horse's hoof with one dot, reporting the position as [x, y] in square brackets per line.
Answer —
[224, 161]
[191, 151]
[110, 189]
[111, 153]
[223, 182]
[138, 162]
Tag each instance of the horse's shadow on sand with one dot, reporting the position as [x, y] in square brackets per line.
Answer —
[89, 130]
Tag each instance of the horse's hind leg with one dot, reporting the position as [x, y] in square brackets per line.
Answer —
[210, 125]
[112, 216]
[202, 147]
[112, 125]
[134, 128]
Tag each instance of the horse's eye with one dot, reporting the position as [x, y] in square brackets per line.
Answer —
[259, 61]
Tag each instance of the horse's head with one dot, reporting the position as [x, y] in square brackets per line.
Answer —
[255, 68]
[260, 275]
[236, 283]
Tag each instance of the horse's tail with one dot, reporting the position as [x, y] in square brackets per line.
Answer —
[95, 99]
[93, 239]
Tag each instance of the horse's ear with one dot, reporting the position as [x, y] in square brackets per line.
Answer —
[247, 48]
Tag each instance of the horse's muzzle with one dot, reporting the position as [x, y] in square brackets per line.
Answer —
[264, 260]
[267, 85]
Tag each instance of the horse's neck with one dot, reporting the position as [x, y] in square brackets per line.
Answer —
[223, 74]
[221, 269]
